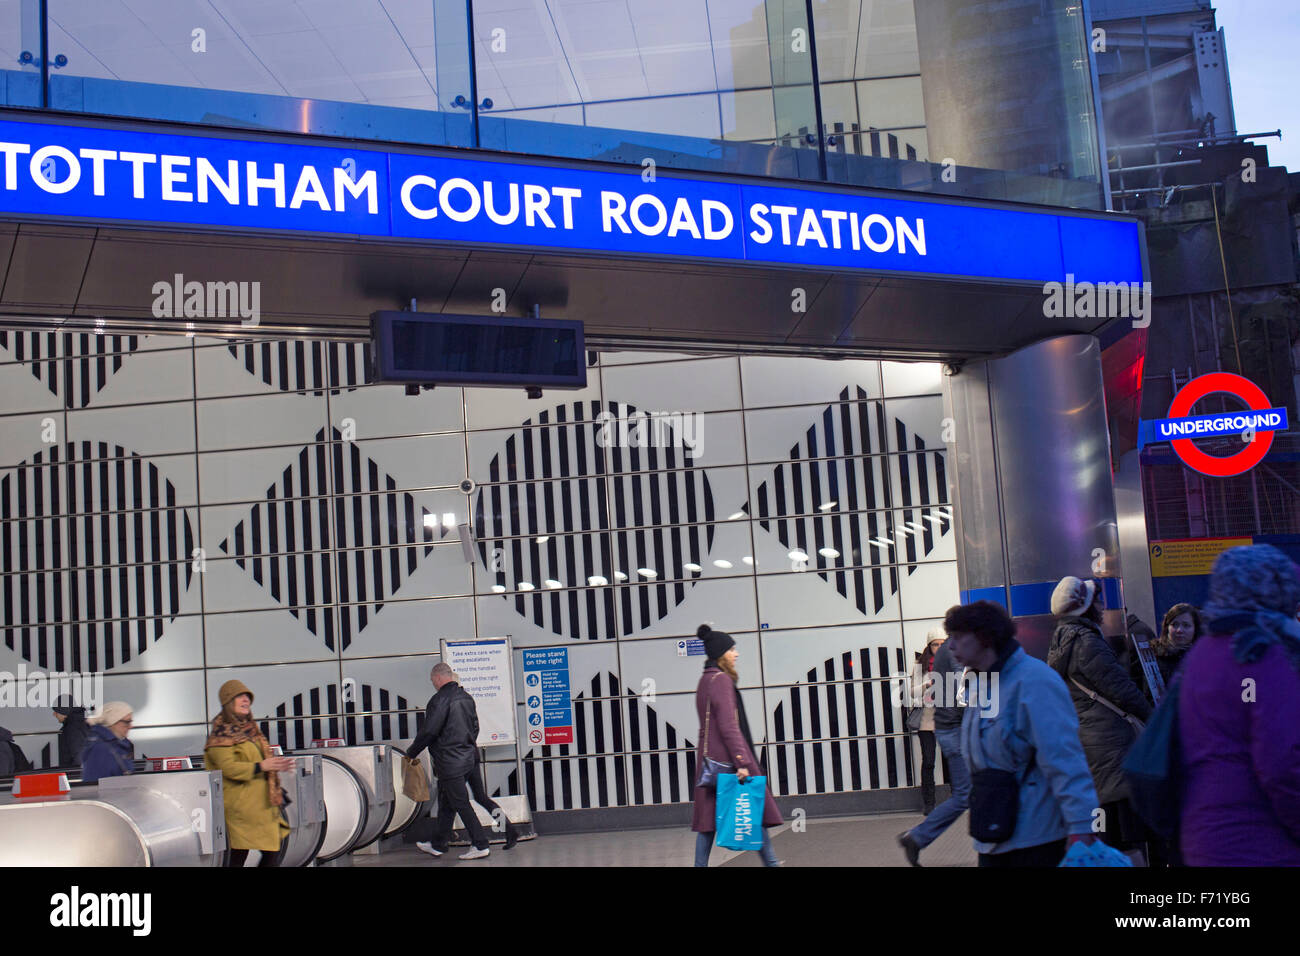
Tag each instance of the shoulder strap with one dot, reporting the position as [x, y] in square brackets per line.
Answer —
[1102, 700]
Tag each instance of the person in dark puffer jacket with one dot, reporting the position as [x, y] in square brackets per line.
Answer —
[1080, 653]
[73, 733]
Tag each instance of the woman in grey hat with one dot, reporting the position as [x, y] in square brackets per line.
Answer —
[108, 752]
[724, 737]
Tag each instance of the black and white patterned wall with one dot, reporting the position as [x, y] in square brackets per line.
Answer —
[175, 512]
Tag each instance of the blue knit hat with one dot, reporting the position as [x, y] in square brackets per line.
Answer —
[1256, 577]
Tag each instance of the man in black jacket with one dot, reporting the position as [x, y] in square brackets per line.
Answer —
[73, 733]
[451, 733]
[947, 679]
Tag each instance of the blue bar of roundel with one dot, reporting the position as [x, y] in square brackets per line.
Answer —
[1150, 428]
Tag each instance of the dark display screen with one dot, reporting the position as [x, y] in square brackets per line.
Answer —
[410, 347]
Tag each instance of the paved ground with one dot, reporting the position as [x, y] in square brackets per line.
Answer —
[838, 841]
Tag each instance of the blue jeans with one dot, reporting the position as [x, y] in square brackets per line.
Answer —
[704, 844]
[942, 816]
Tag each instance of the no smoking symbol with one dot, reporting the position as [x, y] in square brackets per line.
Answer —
[534, 736]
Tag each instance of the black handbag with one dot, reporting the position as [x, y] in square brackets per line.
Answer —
[995, 803]
[709, 768]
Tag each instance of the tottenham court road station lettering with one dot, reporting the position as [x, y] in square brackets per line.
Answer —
[53, 170]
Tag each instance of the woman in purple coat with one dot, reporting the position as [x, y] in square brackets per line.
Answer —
[724, 737]
[1239, 717]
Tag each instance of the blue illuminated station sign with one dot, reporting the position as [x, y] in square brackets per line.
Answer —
[59, 170]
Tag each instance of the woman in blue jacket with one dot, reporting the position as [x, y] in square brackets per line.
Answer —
[108, 753]
[1019, 719]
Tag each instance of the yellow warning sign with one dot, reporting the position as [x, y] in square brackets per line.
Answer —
[1173, 558]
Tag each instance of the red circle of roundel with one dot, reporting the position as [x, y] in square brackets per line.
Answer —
[1212, 465]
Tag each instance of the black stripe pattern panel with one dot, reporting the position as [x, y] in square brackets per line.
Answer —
[569, 517]
[95, 554]
[596, 771]
[333, 528]
[359, 713]
[297, 366]
[841, 731]
[835, 501]
[74, 366]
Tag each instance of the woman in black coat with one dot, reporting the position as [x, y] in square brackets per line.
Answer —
[1085, 660]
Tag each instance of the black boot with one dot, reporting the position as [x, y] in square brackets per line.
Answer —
[927, 798]
[512, 835]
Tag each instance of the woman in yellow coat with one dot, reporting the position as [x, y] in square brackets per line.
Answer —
[250, 778]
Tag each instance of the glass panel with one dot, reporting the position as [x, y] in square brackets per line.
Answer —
[368, 69]
[976, 98]
[717, 85]
[20, 52]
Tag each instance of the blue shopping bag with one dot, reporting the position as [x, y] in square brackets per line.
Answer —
[1096, 854]
[739, 818]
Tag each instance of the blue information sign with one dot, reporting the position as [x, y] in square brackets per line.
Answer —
[548, 705]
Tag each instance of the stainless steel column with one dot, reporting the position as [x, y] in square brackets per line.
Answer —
[1033, 488]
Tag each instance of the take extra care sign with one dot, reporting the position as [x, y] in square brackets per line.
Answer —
[1256, 425]
[145, 177]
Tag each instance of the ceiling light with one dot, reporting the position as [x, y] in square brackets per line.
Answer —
[827, 507]
[553, 584]
[527, 586]
[828, 553]
[748, 560]
[620, 576]
[737, 515]
[692, 566]
[597, 580]
[720, 563]
[448, 520]
[797, 555]
[647, 572]
[498, 589]
[542, 539]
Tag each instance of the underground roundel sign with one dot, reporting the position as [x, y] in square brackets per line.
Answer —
[1254, 426]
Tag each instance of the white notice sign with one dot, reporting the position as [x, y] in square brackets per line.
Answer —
[486, 672]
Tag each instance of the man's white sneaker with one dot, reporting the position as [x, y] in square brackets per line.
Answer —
[475, 854]
[428, 848]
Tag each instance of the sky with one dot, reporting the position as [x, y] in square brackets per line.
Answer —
[1263, 43]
